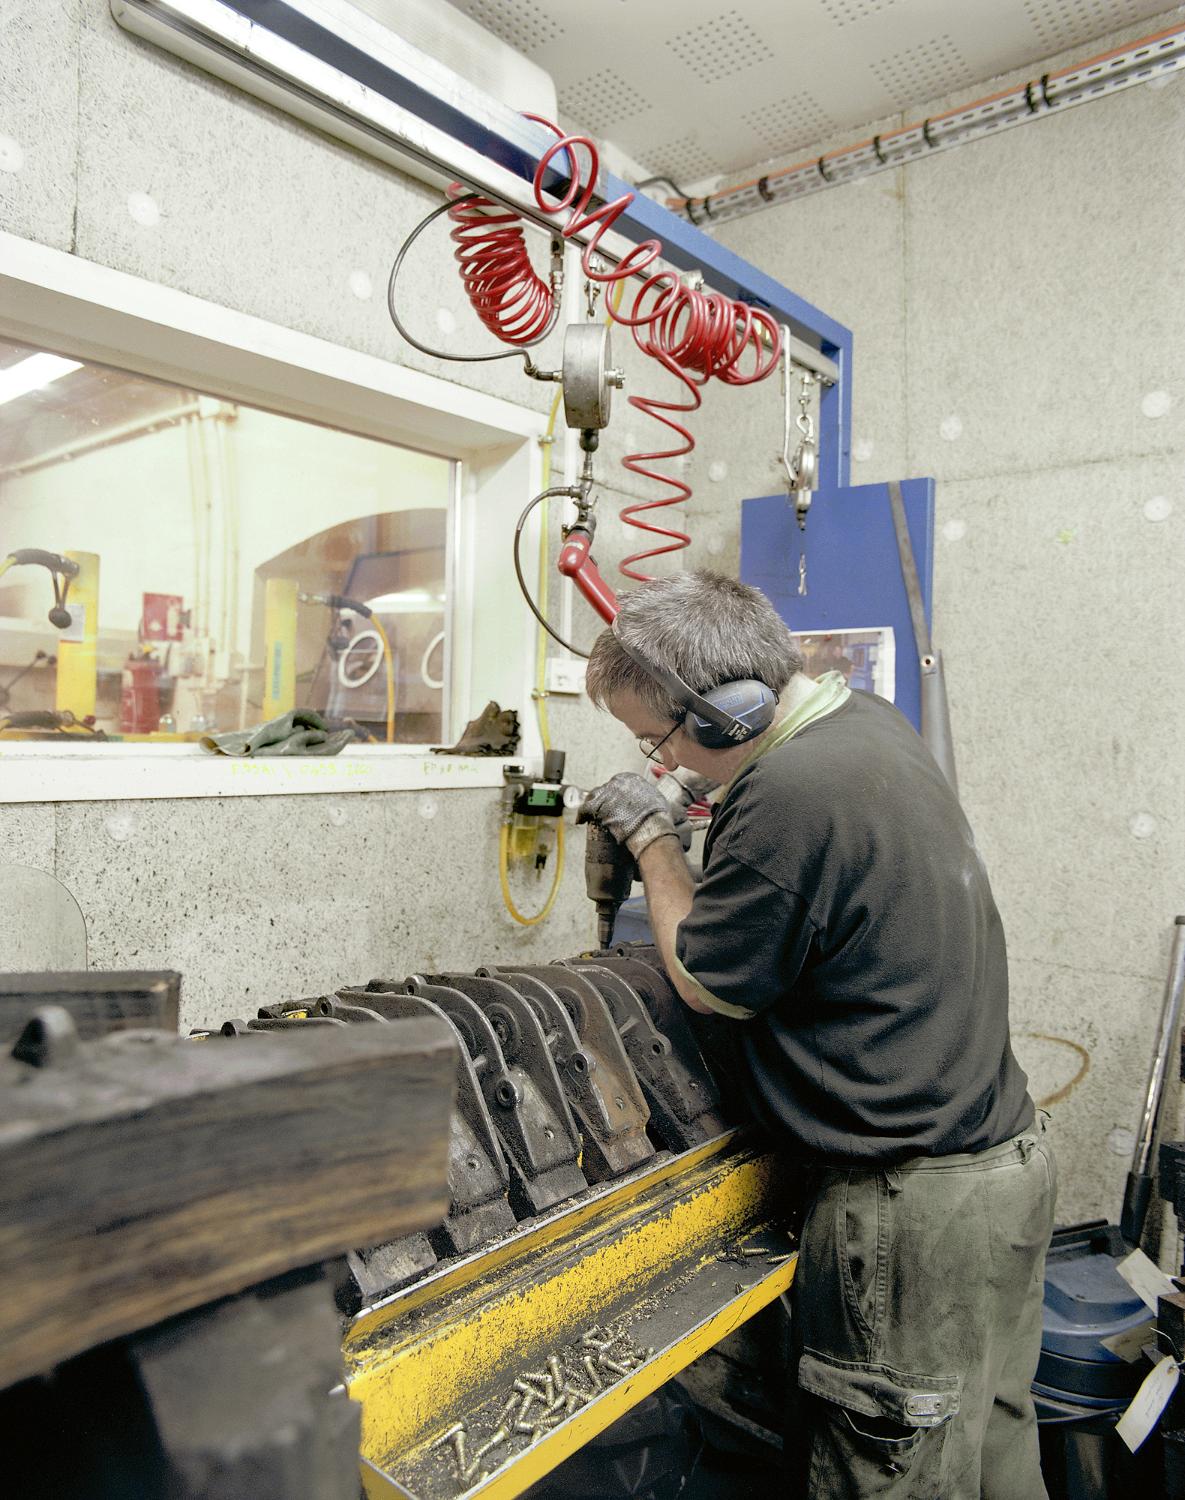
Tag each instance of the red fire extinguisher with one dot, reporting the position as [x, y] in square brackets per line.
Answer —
[139, 703]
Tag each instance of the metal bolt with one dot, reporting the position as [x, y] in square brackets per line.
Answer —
[612, 1364]
[590, 1370]
[778, 1260]
[459, 1449]
[495, 1441]
[755, 1250]
[528, 1402]
[557, 1375]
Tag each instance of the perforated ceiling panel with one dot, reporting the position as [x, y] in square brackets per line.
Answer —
[602, 100]
[526, 25]
[1060, 23]
[718, 86]
[788, 123]
[848, 12]
[922, 72]
[719, 47]
[684, 159]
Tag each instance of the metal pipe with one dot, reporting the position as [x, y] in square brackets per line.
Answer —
[193, 437]
[1138, 1192]
[229, 498]
[137, 427]
[936, 717]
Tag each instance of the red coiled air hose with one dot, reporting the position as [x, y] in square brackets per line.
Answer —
[695, 334]
[503, 288]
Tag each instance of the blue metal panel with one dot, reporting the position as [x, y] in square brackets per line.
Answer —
[853, 570]
[517, 144]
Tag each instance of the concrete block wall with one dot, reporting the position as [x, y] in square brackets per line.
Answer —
[1020, 335]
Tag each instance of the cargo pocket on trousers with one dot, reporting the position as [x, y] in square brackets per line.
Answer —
[876, 1430]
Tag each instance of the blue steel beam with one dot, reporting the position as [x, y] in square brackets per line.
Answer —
[516, 144]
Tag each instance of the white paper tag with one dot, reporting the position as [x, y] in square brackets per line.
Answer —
[1148, 1403]
[1145, 1278]
[1127, 1345]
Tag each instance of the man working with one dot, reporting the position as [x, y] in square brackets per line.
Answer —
[846, 923]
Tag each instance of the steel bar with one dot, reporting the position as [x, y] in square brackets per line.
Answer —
[1138, 1192]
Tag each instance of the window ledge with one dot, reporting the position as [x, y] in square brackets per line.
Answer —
[47, 772]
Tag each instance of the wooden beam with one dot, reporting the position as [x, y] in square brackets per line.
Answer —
[142, 1175]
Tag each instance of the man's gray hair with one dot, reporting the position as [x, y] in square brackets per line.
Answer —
[702, 626]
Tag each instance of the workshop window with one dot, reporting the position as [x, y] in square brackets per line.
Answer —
[208, 549]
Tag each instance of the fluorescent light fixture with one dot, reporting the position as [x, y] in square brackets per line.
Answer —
[406, 602]
[33, 373]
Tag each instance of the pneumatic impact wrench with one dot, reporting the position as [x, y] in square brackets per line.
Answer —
[609, 874]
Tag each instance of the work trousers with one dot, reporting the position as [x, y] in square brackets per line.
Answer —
[917, 1328]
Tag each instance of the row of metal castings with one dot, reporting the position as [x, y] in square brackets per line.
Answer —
[570, 1074]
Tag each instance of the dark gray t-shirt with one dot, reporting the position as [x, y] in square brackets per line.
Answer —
[846, 916]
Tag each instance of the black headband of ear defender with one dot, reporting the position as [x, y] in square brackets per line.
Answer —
[731, 729]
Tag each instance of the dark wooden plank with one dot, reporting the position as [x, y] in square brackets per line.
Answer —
[144, 1175]
[99, 1001]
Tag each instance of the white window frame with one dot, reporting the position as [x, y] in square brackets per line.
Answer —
[91, 312]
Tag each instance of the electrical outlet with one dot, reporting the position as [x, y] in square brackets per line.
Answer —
[565, 675]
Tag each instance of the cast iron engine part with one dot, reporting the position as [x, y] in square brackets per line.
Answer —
[518, 1081]
[592, 1064]
[683, 1099]
[478, 1175]
[376, 1270]
[696, 1037]
[569, 1073]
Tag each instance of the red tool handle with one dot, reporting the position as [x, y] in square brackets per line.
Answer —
[575, 562]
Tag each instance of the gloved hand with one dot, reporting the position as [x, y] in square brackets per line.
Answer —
[632, 809]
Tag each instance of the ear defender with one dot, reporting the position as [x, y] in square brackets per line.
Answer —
[724, 716]
[749, 704]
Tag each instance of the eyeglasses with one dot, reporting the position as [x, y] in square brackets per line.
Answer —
[650, 747]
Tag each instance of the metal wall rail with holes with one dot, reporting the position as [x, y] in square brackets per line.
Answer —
[393, 101]
[1139, 62]
[482, 1378]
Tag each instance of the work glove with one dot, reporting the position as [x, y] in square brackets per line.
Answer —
[632, 809]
